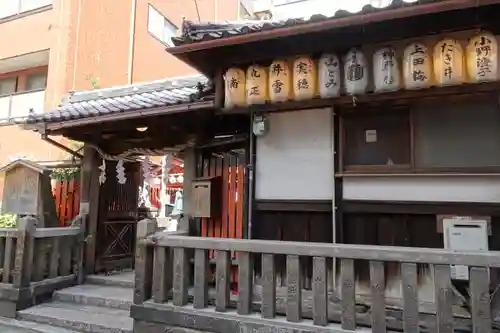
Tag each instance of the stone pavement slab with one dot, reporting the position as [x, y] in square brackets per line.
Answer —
[8, 325]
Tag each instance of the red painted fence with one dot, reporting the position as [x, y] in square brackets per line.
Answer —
[67, 197]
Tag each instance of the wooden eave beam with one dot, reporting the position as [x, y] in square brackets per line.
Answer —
[350, 102]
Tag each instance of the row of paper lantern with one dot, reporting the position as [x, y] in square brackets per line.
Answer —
[175, 179]
[304, 78]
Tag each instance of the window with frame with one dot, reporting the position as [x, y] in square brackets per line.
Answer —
[160, 27]
[457, 135]
[428, 137]
[377, 140]
[36, 81]
[8, 86]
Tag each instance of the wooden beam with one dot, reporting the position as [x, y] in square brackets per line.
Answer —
[348, 102]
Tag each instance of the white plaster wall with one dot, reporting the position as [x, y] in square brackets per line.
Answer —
[295, 158]
[423, 188]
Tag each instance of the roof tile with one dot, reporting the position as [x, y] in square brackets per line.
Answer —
[198, 32]
[130, 98]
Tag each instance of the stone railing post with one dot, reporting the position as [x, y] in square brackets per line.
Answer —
[23, 262]
[81, 241]
[143, 261]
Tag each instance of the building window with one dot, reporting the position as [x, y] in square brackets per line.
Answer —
[433, 137]
[457, 135]
[377, 140]
[8, 86]
[37, 81]
[15, 7]
[160, 27]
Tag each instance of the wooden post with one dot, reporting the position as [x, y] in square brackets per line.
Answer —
[89, 203]
[144, 254]
[189, 175]
[219, 89]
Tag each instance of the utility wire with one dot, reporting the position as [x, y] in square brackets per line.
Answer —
[197, 10]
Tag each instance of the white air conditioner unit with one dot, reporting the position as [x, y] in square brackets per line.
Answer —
[464, 234]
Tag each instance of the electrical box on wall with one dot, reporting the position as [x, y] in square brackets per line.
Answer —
[464, 234]
[206, 197]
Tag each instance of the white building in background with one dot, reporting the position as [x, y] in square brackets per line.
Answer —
[285, 9]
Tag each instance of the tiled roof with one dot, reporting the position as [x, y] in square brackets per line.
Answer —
[198, 32]
[129, 98]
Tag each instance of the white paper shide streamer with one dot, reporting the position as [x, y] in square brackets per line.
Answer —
[146, 181]
[146, 169]
[166, 165]
[102, 175]
[120, 173]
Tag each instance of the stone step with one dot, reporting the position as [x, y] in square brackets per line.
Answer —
[96, 295]
[9, 325]
[78, 317]
[125, 279]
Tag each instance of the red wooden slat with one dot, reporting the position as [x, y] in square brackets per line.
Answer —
[225, 196]
[204, 221]
[64, 198]
[58, 197]
[214, 224]
[76, 196]
[232, 200]
[239, 203]
[69, 202]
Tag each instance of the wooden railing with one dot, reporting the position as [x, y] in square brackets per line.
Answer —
[36, 261]
[171, 287]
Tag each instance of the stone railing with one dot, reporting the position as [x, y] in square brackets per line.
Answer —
[172, 290]
[36, 261]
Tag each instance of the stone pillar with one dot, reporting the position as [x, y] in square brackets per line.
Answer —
[23, 262]
[143, 282]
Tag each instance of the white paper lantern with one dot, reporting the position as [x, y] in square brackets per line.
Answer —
[256, 85]
[329, 76]
[449, 63]
[304, 78]
[280, 81]
[355, 72]
[386, 72]
[417, 66]
[235, 92]
[482, 58]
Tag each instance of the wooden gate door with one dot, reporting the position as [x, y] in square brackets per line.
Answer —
[118, 215]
